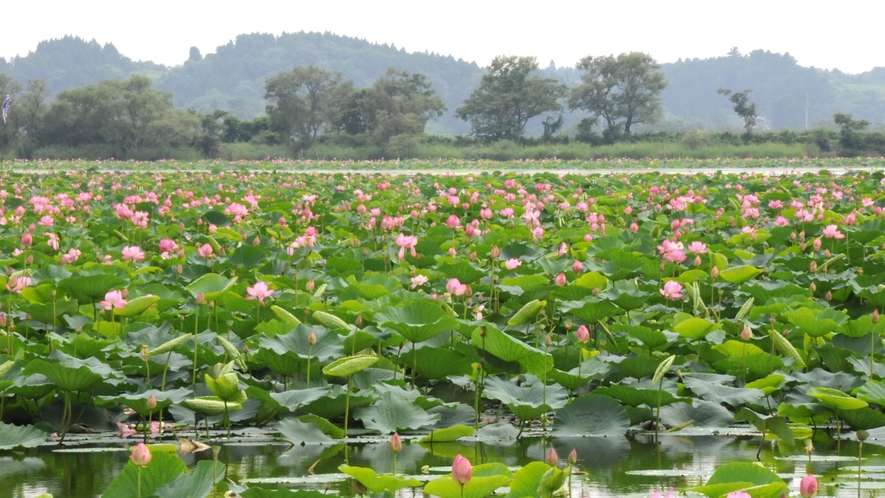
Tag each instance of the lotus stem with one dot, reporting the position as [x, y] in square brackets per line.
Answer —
[309, 349]
[196, 344]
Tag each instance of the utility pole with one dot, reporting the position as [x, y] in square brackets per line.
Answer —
[806, 111]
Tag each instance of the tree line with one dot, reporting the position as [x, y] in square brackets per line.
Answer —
[306, 104]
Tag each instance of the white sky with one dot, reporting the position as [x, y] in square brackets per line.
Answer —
[846, 35]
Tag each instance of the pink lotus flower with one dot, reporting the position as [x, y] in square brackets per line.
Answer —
[205, 251]
[462, 471]
[560, 280]
[697, 247]
[418, 280]
[512, 263]
[577, 267]
[832, 232]
[133, 252]
[456, 288]
[259, 292]
[658, 495]
[406, 242]
[671, 290]
[27, 239]
[70, 257]
[141, 455]
[113, 299]
[808, 486]
[738, 494]
[17, 283]
[453, 222]
[583, 334]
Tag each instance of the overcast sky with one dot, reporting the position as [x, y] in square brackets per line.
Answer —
[846, 35]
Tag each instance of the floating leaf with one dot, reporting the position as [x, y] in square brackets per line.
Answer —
[592, 415]
[14, 436]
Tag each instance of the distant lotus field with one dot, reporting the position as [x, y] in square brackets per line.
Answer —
[481, 304]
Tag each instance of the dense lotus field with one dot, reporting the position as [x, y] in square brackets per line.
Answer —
[453, 306]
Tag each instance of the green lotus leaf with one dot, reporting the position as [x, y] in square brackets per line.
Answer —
[700, 413]
[133, 481]
[462, 270]
[633, 396]
[14, 436]
[69, 373]
[138, 402]
[300, 433]
[226, 387]
[527, 480]
[90, 288]
[349, 365]
[592, 415]
[417, 321]
[721, 392]
[137, 306]
[331, 321]
[209, 405]
[527, 313]
[391, 413]
[448, 434]
[739, 274]
[486, 479]
[211, 285]
[591, 309]
[379, 483]
[834, 398]
[742, 476]
[695, 328]
[501, 345]
[528, 401]
[199, 481]
[285, 316]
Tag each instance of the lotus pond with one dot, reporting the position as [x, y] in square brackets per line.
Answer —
[708, 332]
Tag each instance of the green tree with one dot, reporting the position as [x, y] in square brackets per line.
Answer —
[305, 101]
[850, 139]
[403, 103]
[508, 96]
[626, 87]
[743, 107]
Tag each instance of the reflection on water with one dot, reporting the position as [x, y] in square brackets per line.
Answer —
[607, 466]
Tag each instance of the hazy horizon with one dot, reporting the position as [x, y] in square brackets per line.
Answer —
[473, 31]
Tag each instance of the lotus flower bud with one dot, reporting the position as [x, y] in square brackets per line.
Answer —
[179, 269]
[256, 241]
[577, 267]
[746, 334]
[572, 457]
[874, 317]
[552, 457]
[828, 296]
[310, 286]
[813, 287]
[462, 471]
[311, 338]
[359, 321]
[808, 486]
[816, 244]
[396, 444]
[548, 340]
[560, 280]
[697, 261]
[151, 403]
[583, 334]
[495, 252]
[27, 239]
[714, 273]
[141, 455]
[201, 299]
[2, 319]
[813, 267]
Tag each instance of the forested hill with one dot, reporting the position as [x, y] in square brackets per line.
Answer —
[72, 62]
[233, 78]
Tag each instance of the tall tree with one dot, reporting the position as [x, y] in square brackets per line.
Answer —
[305, 101]
[743, 107]
[626, 87]
[508, 96]
[403, 103]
